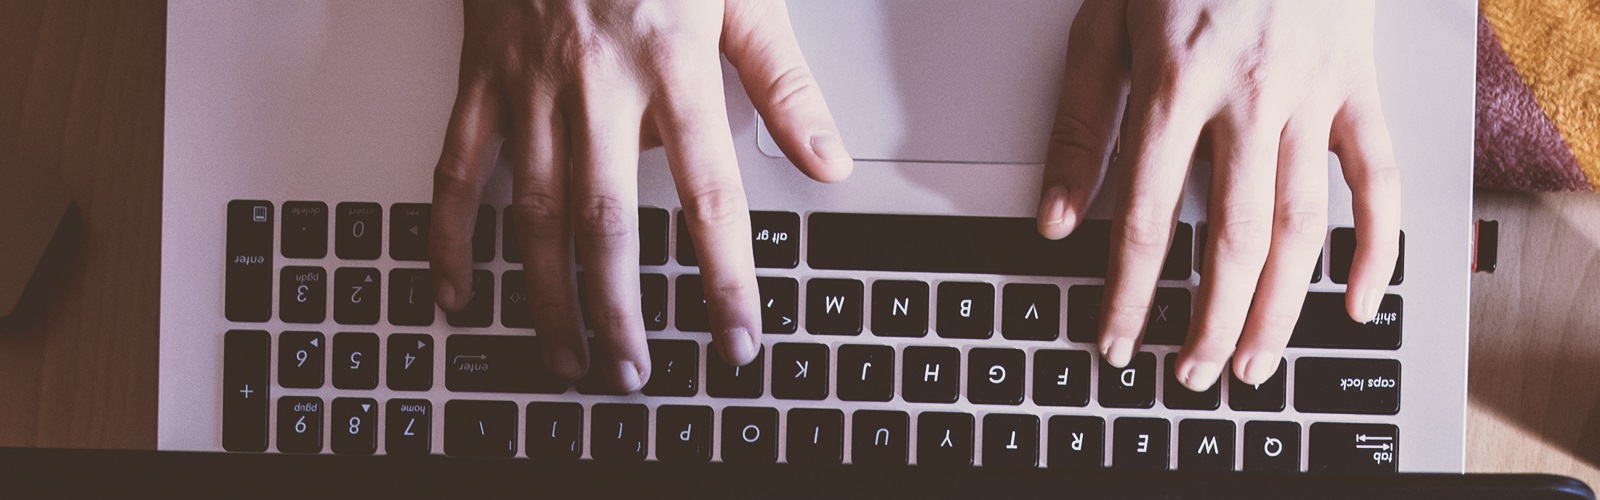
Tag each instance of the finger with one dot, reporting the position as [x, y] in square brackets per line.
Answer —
[544, 233]
[605, 204]
[759, 41]
[1361, 139]
[1159, 139]
[694, 127]
[1086, 116]
[1299, 225]
[465, 162]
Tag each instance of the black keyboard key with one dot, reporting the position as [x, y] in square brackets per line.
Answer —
[1010, 440]
[775, 238]
[515, 311]
[1324, 322]
[966, 310]
[248, 273]
[358, 231]
[994, 376]
[945, 244]
[479, 312]
[355, 426]
[749, 435]
[1077, 442]
[303, 294]
[833, 306]
[675, 368]
[555, 431]
[800, 371]
[879, 437]
[742, 382]
[510, 246]
[1168, 322]
[1205, 445]
[944, 439]
[899, 308]
[931, 375]
[486, 429]
[1347, 385]
[1343, 245]
[356, 292]
[1140, 443]
[619, 432]
[497, 363]
[355, 360]
[411, 297]
[652, 236]
[652, 301]
[815, 437]
[691, 310]
[683, 434]
[1031, 312]
[245, 390]
[780, 304]
[866, 372]
[1131, 387]
[300, 359]
[483, 235]
[408, 231]
[1266, 396]
[1354, 448]
[409, 429]
[1175, 396]
[1272, 447]
[1060, 378]
[299, 424]
[305, 229]
[410, 362]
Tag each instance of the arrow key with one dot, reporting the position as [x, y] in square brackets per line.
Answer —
[355, 426]
[410, 362]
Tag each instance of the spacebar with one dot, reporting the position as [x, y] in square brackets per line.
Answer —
[975, 245]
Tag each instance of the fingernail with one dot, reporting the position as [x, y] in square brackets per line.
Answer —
[1201, 375]
[1118, 352]
[1369, 305]
[827, 146]
[628, 376]
[1053, 208]
[1259, 369]
[741, 346]
[564, 362]
[447, 294]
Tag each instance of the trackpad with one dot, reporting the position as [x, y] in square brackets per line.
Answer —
[937, 80]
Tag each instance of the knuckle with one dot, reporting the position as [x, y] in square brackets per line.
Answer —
[1243, 237]
[1144, 233]
[1301, 224]
[717, 207]
[604, 218]
[792, 88]
[541, 212]
[585, 50]
[615, 320]
[1126, 313]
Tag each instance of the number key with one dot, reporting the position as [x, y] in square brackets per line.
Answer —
[355, 426]
[299, 424]
[355, 360]
[303, 294]
[409, 430]
[300, 360]
[358, 231]
[410, 362]
[355, 295]
[411, 297]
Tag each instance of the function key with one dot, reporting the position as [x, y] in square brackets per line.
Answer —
[355, 426]
[1354, 448]
[966, 310]
[775, 238]
[1010, 440]
[749, 435]
[675, 368]
[1205, 445]
[411, 297]
[1266, 396]
[1178, 397]
[1272, 446]
[1077, 442]
[833, 306]
[408, 236]
[994, 376]
[358, 231]
[356, 293]
[305, 229]
[683, 434]
[1060, 378]
[409, 430]
[355, 360]
[899, 308]
[866, 372]
[931, 375]
[303, 295]
[1130, 387]
[245, 389]
[620, 432]
[300, 359]
[479, 312]
[743, 382]
[480, 428]
[248, 275]
[515, 311]
[299, 424]
[555, 431]
[652, 300]
[483, 235]
[780, 304]
[1324, 322]
[1347, 385]
[945, 439]
[1141, 443]
[800, 371]
[1343, 245]
[879, 437]
[410, 362]
[498, 363]
[815, 436]
[653, 230]
[1031, 312]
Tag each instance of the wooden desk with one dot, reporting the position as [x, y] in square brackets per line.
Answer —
[81, 91]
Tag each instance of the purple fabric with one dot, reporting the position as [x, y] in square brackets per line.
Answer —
[1518, 146]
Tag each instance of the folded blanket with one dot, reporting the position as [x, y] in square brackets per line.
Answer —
[1538, 95]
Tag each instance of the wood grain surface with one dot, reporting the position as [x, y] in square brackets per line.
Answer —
[81, 92]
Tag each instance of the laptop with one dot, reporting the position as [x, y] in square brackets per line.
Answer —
[297, 315]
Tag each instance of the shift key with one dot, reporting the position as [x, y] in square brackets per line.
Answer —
[1347, 385]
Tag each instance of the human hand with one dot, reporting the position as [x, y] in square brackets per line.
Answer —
[1264, 89]
[576, 89]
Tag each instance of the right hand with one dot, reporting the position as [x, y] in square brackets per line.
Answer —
[576, 89]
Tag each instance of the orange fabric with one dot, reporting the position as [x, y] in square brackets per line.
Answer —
[1555, 46]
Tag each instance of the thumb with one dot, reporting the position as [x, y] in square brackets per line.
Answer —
[759, 41]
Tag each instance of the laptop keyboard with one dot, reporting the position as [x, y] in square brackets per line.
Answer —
[890, 353]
